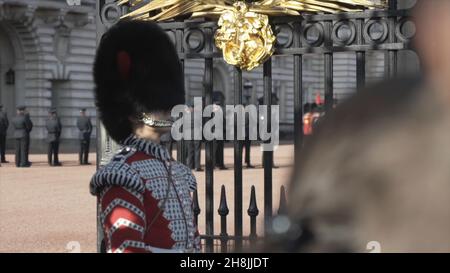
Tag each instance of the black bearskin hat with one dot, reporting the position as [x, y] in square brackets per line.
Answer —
[136, 71]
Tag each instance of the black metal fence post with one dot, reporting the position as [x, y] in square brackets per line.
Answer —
[223, 212]
[237, 164]
[298, 92]
[253, 212]
[328, 62]
[181, 145]
[268, 155]
[196, 207]
[209, 169]
[282, 209]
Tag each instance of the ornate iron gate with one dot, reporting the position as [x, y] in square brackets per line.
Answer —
[391, 37]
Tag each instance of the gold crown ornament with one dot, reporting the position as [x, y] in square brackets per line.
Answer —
[244, 34]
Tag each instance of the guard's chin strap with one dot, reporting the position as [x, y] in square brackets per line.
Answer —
[148, 120]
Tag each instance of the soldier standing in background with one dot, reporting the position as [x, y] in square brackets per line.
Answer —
[4, 124]
[54, 127]
[85, 126]
[219, 144]
[22, 128]
[28, 141]
[194, 146]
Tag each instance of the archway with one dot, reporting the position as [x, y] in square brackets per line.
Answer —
[11, 59]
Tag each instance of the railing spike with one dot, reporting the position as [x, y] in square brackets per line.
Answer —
[253, 213]
[223, 207]
[223, 212]
[282, 209]
[253, 207]
[196, 207]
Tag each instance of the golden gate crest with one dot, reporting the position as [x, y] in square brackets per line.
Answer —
[245, 37]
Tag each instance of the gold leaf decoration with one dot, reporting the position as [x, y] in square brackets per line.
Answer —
[245, 37]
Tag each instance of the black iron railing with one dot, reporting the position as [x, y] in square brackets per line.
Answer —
[320, 34]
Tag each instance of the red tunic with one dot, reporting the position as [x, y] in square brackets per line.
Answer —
[308, 124]
[143, 208]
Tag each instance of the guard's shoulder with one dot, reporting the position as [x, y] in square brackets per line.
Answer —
[122, 155]
[117, 173]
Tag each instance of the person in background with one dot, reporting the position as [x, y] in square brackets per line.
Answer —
[28, 140]
[383, 179]
[144, 195]
[307, 120]
[22, 128]
[85, 127]
[219, 144]
[54, 127]
[275, 101]
[4, 124]
[317, 111]
[318, 99]
[194, 146]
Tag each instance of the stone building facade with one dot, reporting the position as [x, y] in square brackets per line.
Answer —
[49, 46]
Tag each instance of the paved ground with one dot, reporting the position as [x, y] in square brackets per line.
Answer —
[47, 209]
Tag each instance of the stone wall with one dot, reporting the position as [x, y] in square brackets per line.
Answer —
[53, 46]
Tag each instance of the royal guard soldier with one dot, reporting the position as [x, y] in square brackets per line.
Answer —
[22, 128]
[219, 144]
[144, 195]
[319, 100]
[4, 124]
[307, 120]
[28, 140]
[53, 125]
[85, 127]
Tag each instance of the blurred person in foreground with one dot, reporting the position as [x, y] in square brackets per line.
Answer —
[144, 195]
[384, 175]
